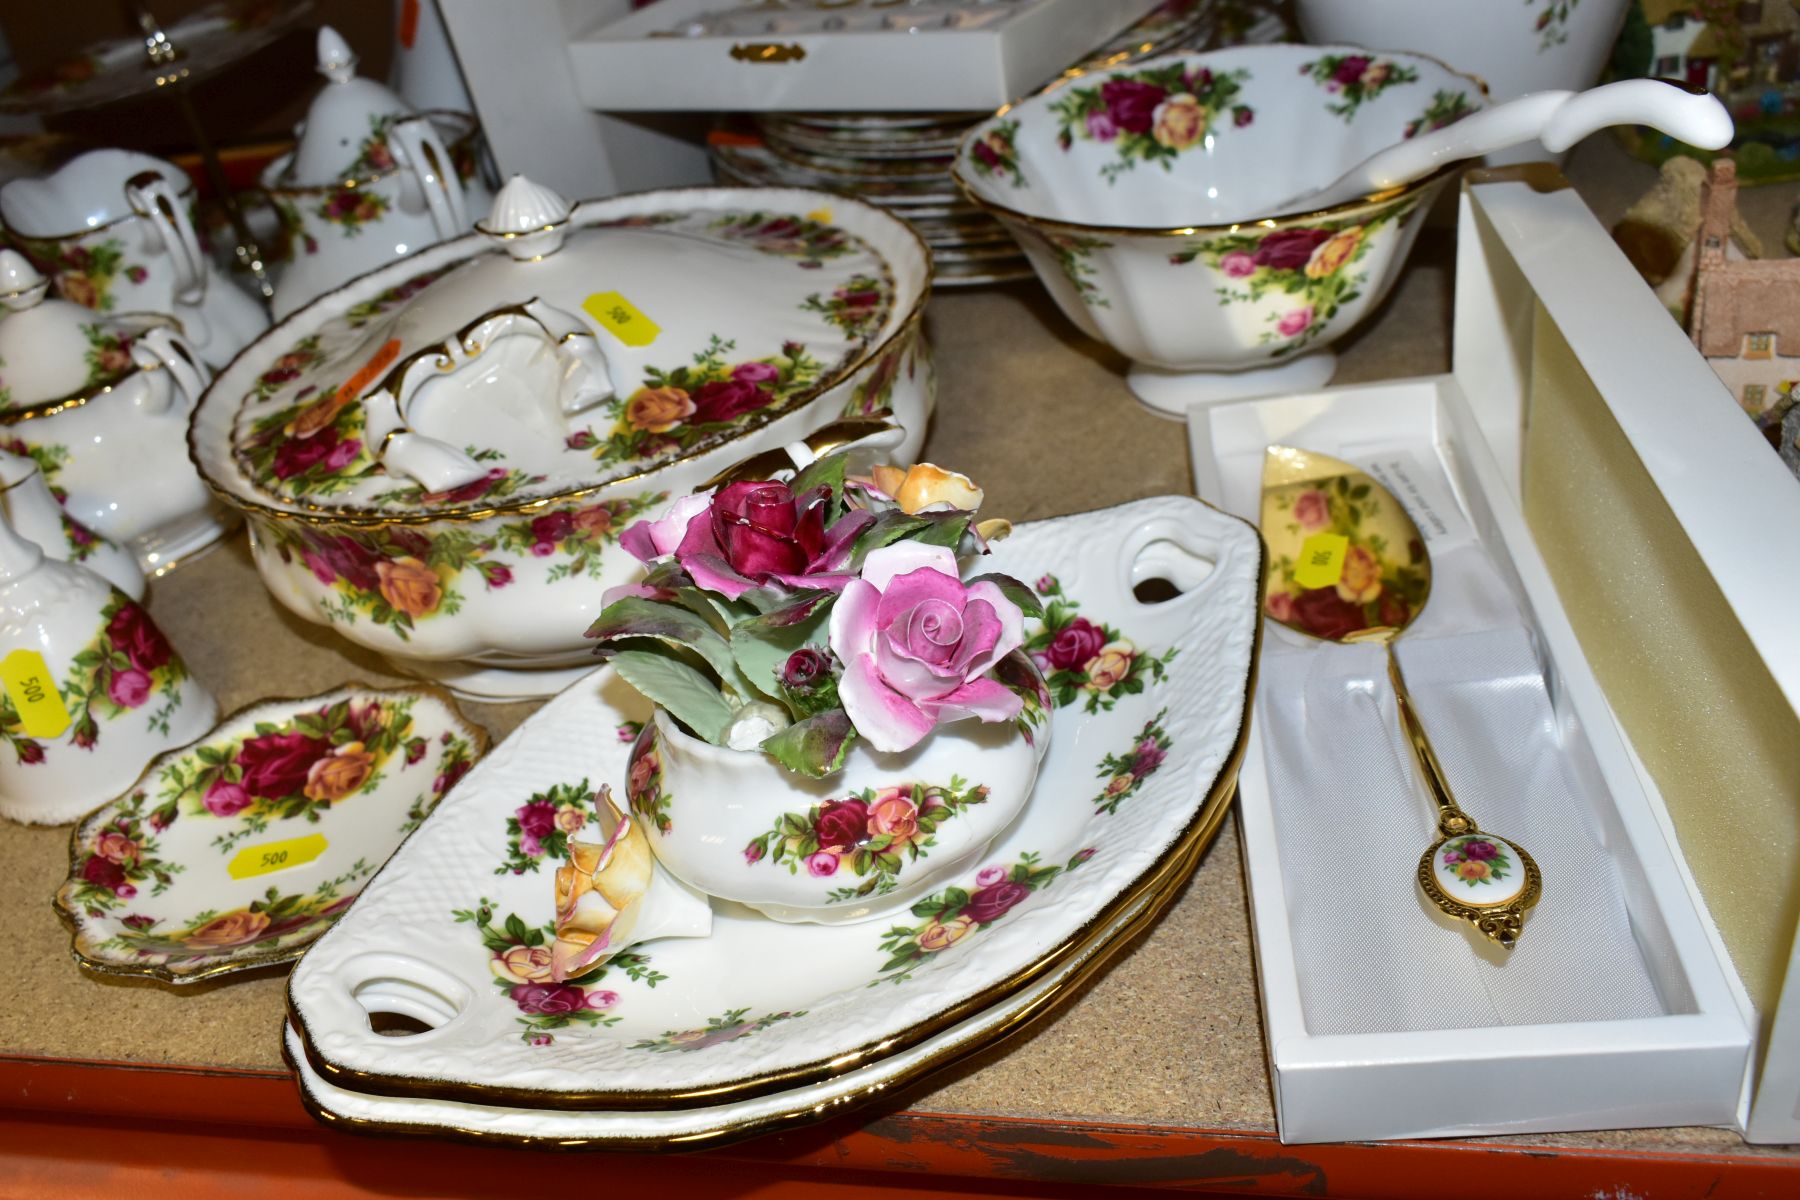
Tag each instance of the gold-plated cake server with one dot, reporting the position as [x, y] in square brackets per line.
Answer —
[1347, 564]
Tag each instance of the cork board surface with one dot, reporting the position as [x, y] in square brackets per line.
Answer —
[1169, 1034]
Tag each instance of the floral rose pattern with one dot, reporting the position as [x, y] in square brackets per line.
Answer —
[359, 315]
[266, 926]
[677, 408]
[856, 307]
[50, 458]
[871, 834]
[1355, 79]
[540, 827]
[108, 354]
[1151, 116]
[301, 768]
[352, 208]
[1551, 24]
[1073, 255]
[85, 274]
[1382, 585]
[995, 153]
[116, 862]
[644, 781]
[1446, 108]
[1311, 265]
[873, 396]
[1125, 773]
[809, 241]
[1082, 659]
[519, 960]
[397, 576]
[128, 668]
[729, 1027]
[1476, 860]
[949, 916]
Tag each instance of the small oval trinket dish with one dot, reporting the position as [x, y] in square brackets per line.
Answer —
[239, 850]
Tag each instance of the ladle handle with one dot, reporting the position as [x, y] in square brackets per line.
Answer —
[1451, 819]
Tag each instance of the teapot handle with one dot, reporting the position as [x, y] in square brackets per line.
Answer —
[152, 198]
[158, 349]
[421, 151]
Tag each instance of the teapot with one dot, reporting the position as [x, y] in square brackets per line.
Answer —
[369, 181]
[114, 231]
[100, 404]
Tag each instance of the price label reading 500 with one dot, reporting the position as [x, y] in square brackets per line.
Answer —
[275, 856]
[620, 317]
[32, 689]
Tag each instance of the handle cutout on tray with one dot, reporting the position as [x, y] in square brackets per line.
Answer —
[1167, 562]
[404, 996]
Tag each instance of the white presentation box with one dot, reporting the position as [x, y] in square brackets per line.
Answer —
[1581, 480]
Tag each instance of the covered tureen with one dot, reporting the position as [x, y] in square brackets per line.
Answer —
[438, 457]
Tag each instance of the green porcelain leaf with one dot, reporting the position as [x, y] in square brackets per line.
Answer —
[814, 747]
[681, 688]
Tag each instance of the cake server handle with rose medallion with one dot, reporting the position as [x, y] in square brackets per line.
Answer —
[1347, 564]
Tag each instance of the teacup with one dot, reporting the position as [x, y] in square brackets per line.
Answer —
[114, 230]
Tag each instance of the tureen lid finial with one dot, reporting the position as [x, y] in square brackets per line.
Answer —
[21, 286]
[527, 218]
[337, 61]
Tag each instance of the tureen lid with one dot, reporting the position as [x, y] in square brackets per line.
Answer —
[345, 132]
[556, 350]
[54, 352]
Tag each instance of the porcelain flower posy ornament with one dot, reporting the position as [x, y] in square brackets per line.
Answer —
[783, 624]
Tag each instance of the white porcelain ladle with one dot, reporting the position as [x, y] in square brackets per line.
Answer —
[1557, 119]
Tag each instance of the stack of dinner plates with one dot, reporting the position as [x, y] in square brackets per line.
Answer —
[901, 161]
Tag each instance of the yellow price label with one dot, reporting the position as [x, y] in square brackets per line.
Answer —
[622, 318]
[1321, 562]
[821, 215]
[270, 857]
[33, 690]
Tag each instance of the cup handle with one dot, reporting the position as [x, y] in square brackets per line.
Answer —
[164, 349]
[419, 150]
[152, 198]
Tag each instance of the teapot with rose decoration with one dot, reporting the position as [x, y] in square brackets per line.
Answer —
[844, 718]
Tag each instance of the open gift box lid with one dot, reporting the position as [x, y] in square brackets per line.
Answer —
[1588, 447]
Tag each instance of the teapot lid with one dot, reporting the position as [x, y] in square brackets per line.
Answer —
[55, 353]
[559, 349]
[345, 132]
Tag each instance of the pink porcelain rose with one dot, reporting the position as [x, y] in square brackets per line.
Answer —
[916, 645]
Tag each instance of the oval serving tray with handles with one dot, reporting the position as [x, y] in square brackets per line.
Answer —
[1149, 709]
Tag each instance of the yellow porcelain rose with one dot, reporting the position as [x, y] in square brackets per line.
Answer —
[1180, 121]
[924, 486]
[522, 964]
[1334, 252]
[599, 894]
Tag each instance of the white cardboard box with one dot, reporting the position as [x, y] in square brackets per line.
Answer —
[627, 65]
[1532, 257]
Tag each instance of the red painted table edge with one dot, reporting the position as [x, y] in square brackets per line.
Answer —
[259, 1104]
